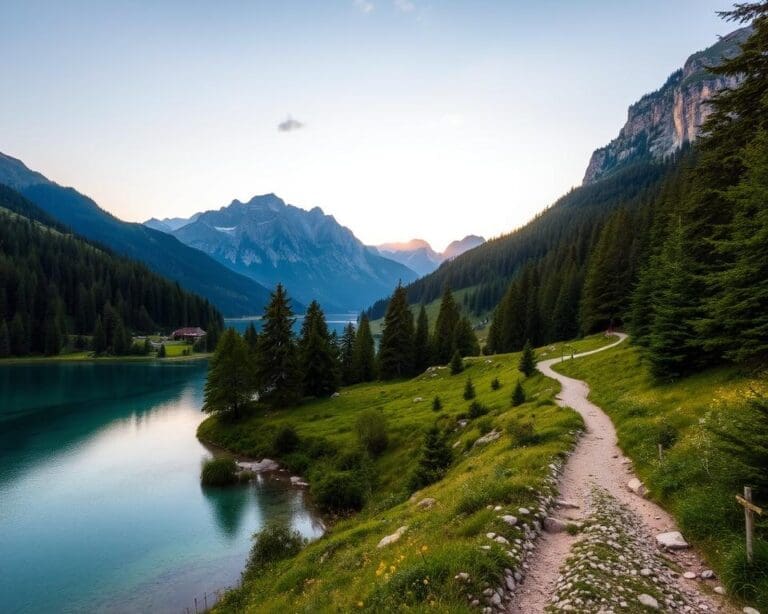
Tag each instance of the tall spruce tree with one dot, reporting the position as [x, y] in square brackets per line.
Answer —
[317, 359]
[421, 350]
[445, 327]
[364, 354]
[5, 340]
[346, 355]
[278, 378]
[464, 338]
[527, 364]
[231, 377]
[251, 338]
[396, 349]
[99, 343]
[436, 457]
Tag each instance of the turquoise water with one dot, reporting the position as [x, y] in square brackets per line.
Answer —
[336, 322]
[101, 509]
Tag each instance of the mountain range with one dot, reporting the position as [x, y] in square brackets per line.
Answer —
[418, 255]
[313, 255]
[232, 293]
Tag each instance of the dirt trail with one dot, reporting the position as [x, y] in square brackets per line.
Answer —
[596, 460]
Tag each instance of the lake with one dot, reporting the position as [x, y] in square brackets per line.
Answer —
[336, 322]
[101, 508]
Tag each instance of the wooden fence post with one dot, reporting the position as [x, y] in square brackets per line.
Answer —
[750, 509]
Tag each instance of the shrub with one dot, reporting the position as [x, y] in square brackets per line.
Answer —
[437, 404]
[457, 364]
[371, 430]
[476, 409]
[220, 471]
[522, 433]
[469, 390]
[485, 426]
[436, 457]
[161, 351]
[666, 435]
[495, 383]
[338, 491]
[527, 364]
[286, 440]
[297, 462]
[518, 395]
[274, 543]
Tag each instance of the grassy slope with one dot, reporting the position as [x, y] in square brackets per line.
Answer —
[695, 481]
[339, 571]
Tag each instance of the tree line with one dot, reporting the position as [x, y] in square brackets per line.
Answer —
[277, 367]
[59, 290]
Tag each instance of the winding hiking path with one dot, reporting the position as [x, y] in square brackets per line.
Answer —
[596, 461]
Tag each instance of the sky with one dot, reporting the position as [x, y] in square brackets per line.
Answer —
[402, 118]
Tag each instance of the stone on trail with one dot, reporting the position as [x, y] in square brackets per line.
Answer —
[720, 590]
[566, 504]
[748, 610]
[689, 575]
[509, 519]
[707, 574]
[637, 487]
[648, 601]
[673, 540]
[391, 539]
[553, 525]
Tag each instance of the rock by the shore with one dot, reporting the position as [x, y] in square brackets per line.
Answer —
[266, 464]
[297, 481]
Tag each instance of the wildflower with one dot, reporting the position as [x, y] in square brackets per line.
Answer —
[424, 548]
[360, 604]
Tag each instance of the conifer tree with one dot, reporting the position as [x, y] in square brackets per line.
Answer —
[464, 338]
[346, 355]
[251, 338]
[422, 351]
[364, 354]
[469, 390]
[445, 328]
[437, 404]
[99, 338]
[527, 364]
[230, 384]
[396, 349]
[5, 340]
[436, 457]
[457, 364]
[278, 376]
[518, 395]
[161, 353]
[317, 361]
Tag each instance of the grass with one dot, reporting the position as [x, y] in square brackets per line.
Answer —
[695, 480]
[344, 570]
[174, 351]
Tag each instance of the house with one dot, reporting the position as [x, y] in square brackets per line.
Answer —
[191, 334]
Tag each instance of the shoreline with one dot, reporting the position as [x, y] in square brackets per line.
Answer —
[79, 358]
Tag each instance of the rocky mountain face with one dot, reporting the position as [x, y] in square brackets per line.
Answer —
[313, 255]
[663, 121]
[169, 224]
[419, 256]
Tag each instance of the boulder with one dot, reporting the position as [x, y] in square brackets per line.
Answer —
[297, 481]
[637, 487]
[648, 601]
[265, 464]
[748, 610]
[391, 539]
[673, 540]
[707, 574]
[426, 503]
[510, 520]
[488, 438]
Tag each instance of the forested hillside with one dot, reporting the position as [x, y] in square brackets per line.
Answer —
[55, 285]
[675, 251]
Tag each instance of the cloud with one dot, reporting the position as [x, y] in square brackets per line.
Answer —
[406, 6]
[289, 125]
[364, 5]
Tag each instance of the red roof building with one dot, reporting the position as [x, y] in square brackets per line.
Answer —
[188, 334]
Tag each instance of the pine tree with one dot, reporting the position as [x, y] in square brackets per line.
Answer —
[671, 347]
[464, 338]
[251, 338]
[518, 395]
[364, 355]
[469, 390]
[457, 364]
[19, 336]
[5, 340]
[121, 340]
[161, 353]
[278, 375]
[436, 457]
[527, 364]
[437, 404]
[317, 361]
[445, 327]
[422, 350]
[99, 338]
[230, 384]
[396, 349]
[347, 354]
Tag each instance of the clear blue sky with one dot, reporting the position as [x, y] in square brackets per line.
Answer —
[412, 118]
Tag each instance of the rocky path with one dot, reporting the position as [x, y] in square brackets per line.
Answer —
[597, 463]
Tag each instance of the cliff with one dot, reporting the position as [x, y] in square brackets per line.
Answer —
[661, 122]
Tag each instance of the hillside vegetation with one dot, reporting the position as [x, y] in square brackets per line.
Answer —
[345, 570]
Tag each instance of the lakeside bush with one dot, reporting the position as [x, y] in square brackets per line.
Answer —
[273, 543]
[286, 440]
[220, 471]
[338, 491]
